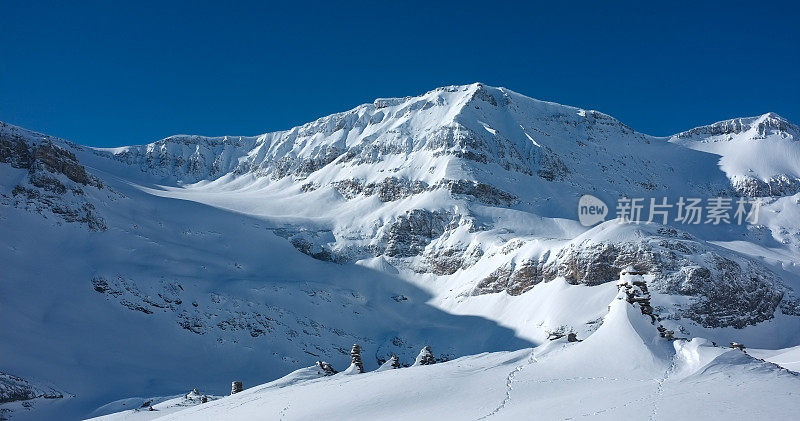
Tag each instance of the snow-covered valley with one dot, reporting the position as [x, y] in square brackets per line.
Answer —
[448, 220]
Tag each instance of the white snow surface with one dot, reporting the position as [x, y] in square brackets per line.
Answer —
[196, 281]
[622, 371]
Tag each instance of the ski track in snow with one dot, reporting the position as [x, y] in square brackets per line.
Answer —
[655, 396]
[510, 385]
[660, 389]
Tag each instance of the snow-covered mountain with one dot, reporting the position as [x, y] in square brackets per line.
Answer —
[758, 154]
[448, 219]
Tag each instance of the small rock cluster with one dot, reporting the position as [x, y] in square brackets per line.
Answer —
[558, 334]
[635, 288]
[394, 362]
[325, 368]
[737, 345]
[425, 357]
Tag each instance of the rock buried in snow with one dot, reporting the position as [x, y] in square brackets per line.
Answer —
[325, 368]
[425, 357]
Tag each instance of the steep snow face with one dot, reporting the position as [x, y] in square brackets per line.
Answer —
[392, 225]
[760, 155]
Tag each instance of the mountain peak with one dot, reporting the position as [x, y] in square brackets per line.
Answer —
[757, 127]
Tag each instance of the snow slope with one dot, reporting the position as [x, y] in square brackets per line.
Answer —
[446, 219]
[622, 371]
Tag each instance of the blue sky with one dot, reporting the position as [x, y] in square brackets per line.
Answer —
[109, 73]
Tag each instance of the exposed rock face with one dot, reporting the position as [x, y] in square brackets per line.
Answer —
[14, 151]
[448, 260]
[13, 388]
[16, 389]
[551, 168]
[481, 192]
[409, 234]
[781, 185]
[44, 157]
[54, 183]
[392, 188]
[425, 357]
[325, 368]
[188, 158]
[57, 160]
[405, 236]
[302, 167]
[388, 190]
[728, 292]
[512, 278]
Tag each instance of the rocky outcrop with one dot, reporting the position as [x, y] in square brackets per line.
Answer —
[189, 158]
[481, 192]
[551, 167]
[325, 369]
[425, 357]
[779, 185]
[301, 167]
[14, 388]
[55, 181]
[448, 260]
[387, 190]
[42, 158]
[513, 278]
[410, 233]
[19, 394]
[392, 188]
[727, 290]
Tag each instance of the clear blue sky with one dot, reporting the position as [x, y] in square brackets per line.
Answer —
[109, 73]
